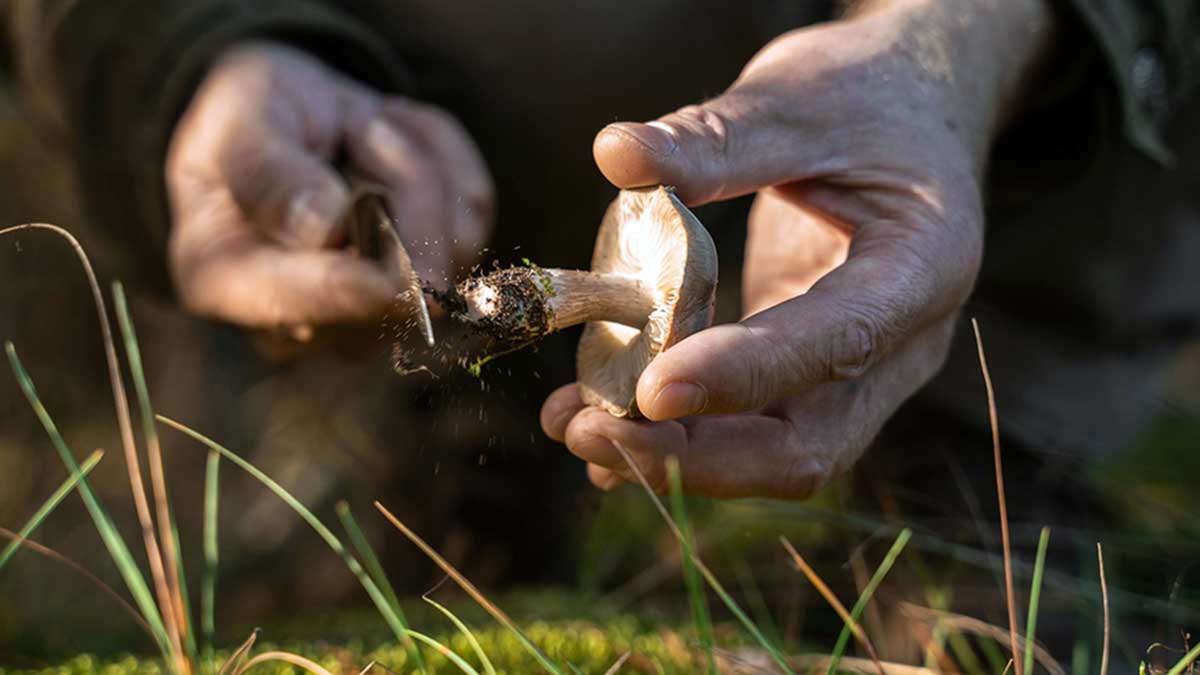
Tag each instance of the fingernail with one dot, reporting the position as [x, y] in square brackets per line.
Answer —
[311, 216]
[679, 399]
[657, 137]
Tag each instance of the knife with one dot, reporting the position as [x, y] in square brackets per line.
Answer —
[371, 230]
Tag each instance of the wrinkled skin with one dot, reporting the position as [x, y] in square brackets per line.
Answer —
[255, 195]
[865, 140]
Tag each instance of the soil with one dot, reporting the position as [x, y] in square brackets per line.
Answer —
[522, 314]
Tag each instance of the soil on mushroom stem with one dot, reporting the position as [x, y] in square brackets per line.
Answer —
[521, 314]
[522, 317]
[520, 311]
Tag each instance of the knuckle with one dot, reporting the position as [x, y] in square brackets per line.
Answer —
[855, 347]
[704, 122]
[798, 478]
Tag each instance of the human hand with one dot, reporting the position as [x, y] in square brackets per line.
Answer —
[865, 140]
[255, 198]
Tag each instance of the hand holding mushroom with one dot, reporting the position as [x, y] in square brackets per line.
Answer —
[865, 238]
[652, 282]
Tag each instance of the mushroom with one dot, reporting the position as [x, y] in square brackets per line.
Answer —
[652, 283]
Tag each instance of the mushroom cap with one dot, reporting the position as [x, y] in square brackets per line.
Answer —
[650, 235]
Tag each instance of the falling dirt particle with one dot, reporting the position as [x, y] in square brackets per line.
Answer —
[437, 468]
[482, 460]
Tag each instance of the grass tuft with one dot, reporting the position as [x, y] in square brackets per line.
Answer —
[176, 605]
[849, 621]
[889, 559]
[691, 575]
[776, 655]
[113, 542]
[484, 661]
[399, 629]
[371, 562]
[465, 584]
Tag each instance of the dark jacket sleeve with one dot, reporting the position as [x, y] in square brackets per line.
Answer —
[111, 78]
[1150, 51]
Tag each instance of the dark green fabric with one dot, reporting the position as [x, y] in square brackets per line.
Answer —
[1151, 50]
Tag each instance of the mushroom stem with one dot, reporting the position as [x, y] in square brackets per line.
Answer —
[525, 303]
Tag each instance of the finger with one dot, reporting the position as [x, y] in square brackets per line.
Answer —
[605, 479]
[250, 282]
[724, 148]
[788, 451]
[729, 456]
[889, 288]
[290, 193]
[469, 184]
[415, 188]
[562, 405]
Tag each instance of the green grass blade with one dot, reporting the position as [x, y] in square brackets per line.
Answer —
[691, 575]
[444, 651]
[1186, 661]
[130, 573]
[462, 628]
[49, 505]
[996, 659]
[367, 554]
[574, 668]
[1079, 658]
[960, 645]
[776, 655]
[465, 584]
[754, 595]
[373, 591]
[189, 638]
[1035, 593]
[839, 648]
[168, 530]
[208, 582]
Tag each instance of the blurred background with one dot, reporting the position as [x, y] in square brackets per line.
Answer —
[464, 462]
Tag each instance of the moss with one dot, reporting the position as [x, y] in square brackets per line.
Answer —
[590, 646]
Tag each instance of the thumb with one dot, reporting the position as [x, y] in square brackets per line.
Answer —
[727, 147]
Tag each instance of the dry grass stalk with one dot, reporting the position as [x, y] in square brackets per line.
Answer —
[993, 420]
[757, 662]
[285, 657]
[819, 583]
[82, 571]
[968, 624]
[234, 662]
[166, 594]
[616, 667]
[449, 569]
